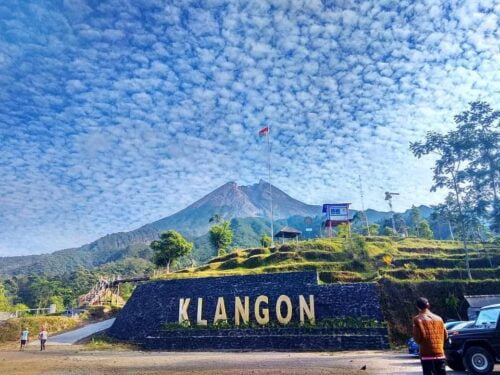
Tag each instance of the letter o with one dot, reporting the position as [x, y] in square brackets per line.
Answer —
[279, 315]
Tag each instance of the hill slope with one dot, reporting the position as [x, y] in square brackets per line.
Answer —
[246, 206]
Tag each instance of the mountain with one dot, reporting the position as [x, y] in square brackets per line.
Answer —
[246, 206]
[233, 201]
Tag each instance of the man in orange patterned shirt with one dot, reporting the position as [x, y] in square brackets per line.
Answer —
[430, 334]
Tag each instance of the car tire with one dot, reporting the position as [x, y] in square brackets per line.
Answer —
[456, 365]
[478, 360]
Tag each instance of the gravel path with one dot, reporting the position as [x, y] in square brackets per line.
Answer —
[65, 360]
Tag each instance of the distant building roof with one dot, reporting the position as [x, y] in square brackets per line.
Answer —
[326, 205]
[482, 300]
[288, 232]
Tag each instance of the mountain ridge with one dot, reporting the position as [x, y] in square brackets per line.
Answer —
[231, 201]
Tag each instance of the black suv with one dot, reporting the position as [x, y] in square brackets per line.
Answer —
[476, 348]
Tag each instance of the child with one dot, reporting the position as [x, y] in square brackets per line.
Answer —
[43, 338]
[24, 338]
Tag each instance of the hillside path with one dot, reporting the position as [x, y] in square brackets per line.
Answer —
[72, 337]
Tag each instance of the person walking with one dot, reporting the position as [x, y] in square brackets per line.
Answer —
[430, 334]
[42, 336]
[24, 339]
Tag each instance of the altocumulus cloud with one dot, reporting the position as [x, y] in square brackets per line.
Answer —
[116, 113]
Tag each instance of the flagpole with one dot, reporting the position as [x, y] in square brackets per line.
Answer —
[270, 188]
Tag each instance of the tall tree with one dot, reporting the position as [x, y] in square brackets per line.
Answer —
[449, 171]
[221, 236]
[479, 130]
[169, 248]
[445, 213]
[415, 219]
[425, 230]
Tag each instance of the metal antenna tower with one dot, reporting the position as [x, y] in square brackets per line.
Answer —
[363, 205]
[388, 197]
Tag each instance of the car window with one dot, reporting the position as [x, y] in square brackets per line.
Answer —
[487, 318]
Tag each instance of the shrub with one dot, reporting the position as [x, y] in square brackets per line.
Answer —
[10, 329]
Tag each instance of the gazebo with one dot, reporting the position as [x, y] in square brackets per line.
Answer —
[288, 233]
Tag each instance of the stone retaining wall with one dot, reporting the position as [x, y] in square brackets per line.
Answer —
[149, 317]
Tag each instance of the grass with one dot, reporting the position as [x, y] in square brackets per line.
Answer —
[411, 259]
[103, 342]
[11, 329]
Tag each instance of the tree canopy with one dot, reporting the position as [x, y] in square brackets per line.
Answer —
[221, 236]
[169, 248]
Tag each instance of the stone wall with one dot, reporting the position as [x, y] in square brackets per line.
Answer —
[156, 304]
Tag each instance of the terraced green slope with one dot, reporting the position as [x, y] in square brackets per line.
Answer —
[360, 259]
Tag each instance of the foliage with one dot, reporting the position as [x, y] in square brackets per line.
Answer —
[415, 220]
[374, 229]
[265, 240]
[387, 259]
[10, 329]
[58, 301]
[424, 230]
[4, 302]
[388, 231]
[221, 236]
[467, 164]
[339, 323]
[398, 301]
[343, 230]
[170, 247]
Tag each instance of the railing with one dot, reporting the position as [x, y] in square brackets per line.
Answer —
[99, 294]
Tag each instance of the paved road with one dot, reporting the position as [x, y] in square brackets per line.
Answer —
[71, 337]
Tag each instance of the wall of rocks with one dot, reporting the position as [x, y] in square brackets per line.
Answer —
[149, 317]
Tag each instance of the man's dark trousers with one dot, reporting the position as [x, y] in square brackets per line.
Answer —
[434, 367]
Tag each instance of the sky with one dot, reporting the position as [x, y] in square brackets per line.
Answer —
[117, 113]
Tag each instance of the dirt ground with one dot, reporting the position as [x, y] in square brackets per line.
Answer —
[78, 360]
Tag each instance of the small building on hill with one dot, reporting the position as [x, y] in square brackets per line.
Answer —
[288, 233]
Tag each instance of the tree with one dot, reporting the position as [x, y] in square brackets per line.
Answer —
[388, 231]
[343, 230]
[374, 229]
[444, 212]
[221, 236]
[216, 219]
[478, 128]
[400, 223]
[4, 301]
[265, 240]
[425, 230]
[415, 219]
[58, 301]
[449, 171]
[169, 248]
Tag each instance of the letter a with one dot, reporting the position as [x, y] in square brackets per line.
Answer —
[220, 310]
[183, 310]
[308, 310]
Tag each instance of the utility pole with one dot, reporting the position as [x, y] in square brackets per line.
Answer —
[266, 131]
[363, 206]
[270, 185]
[388, 197]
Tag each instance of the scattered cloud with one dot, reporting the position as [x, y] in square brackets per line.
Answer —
[117, 113]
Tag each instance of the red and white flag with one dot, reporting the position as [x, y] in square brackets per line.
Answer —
[264, 131]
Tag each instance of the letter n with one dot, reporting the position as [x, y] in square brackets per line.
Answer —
[241, 311]
[307, 310]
